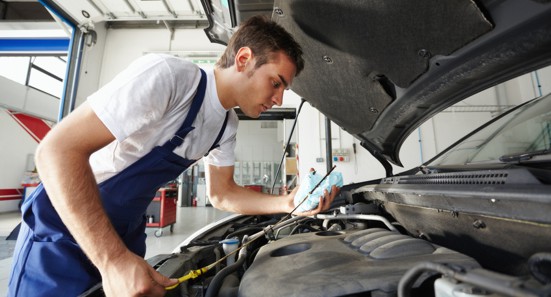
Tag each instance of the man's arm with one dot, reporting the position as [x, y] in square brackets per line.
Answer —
[62, 160]
[225, 194]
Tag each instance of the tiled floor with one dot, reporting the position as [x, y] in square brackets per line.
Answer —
[189, 219]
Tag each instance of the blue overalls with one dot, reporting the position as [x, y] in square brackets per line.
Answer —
[47, 260]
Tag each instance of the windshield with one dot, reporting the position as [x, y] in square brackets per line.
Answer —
[516, 136]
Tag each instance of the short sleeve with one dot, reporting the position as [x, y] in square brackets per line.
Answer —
[136, 98]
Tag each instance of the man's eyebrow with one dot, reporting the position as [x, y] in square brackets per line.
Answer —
[283, 80]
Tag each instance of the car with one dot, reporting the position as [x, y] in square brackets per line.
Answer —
[475, 220]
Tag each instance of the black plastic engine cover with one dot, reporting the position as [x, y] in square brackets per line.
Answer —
[341, 263]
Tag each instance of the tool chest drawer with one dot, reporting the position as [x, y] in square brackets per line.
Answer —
[161, 212]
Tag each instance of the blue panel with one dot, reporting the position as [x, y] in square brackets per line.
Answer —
[33, 45]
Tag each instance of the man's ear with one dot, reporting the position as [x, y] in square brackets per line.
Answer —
[243, 57]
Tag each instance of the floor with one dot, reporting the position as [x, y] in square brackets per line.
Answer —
[189, 219]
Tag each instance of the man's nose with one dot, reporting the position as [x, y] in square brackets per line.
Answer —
[277, 99]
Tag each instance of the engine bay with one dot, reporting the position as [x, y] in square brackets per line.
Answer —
[352, 251]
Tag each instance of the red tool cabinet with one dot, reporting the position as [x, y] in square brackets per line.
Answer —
[161, 212]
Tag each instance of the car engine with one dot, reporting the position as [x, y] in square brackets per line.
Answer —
[350, 252]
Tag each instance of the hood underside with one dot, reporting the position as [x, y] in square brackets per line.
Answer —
[379, 69]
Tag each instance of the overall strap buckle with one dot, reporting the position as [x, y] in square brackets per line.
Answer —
[178, 138]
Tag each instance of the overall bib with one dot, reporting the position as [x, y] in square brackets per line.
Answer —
[47, 260]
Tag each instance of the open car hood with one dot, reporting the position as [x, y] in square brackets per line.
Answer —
[397, 64]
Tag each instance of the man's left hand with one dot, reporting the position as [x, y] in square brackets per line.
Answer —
[324, 201]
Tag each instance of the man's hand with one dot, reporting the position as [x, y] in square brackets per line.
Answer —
[324, 201]
[130, 275]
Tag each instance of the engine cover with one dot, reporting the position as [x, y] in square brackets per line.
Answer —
[341, 263]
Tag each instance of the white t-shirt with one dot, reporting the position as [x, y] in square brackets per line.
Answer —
[147, 103]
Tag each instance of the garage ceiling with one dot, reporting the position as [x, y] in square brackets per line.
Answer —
[114, 12]
[84, 11]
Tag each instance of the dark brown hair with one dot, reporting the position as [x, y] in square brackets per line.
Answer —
[264, 37]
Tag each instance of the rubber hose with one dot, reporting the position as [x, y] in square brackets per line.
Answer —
[230, 287]
[408, 280]
[218, 280]
[540, 266]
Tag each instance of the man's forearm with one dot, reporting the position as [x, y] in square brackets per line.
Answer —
[225, 194]
[238, 199]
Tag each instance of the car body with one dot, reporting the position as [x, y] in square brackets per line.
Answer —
[473, 221]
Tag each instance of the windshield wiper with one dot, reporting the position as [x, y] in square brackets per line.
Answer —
[514, 158]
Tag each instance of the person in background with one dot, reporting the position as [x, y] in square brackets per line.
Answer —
[101, 166]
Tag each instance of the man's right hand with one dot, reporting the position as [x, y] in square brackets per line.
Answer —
[130, 275]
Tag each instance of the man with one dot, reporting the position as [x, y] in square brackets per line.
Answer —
[102, 164]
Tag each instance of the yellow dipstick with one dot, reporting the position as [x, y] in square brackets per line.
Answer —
[191, 275]
[196, 273]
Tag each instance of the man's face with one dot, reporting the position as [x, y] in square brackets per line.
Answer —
[263, 87]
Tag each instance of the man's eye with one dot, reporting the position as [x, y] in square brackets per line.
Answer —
[276, 84]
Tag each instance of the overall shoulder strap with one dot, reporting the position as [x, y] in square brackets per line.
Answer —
[186, 127]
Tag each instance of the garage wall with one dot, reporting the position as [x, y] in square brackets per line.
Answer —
[257, 142]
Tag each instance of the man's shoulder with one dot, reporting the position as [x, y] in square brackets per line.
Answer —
[175, 61]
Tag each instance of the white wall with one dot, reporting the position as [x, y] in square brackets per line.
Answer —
[255, 143]
[15, 96]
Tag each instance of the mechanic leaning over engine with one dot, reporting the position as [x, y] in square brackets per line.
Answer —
[102, 165]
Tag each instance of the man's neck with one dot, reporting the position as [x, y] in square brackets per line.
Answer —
[223, 81]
